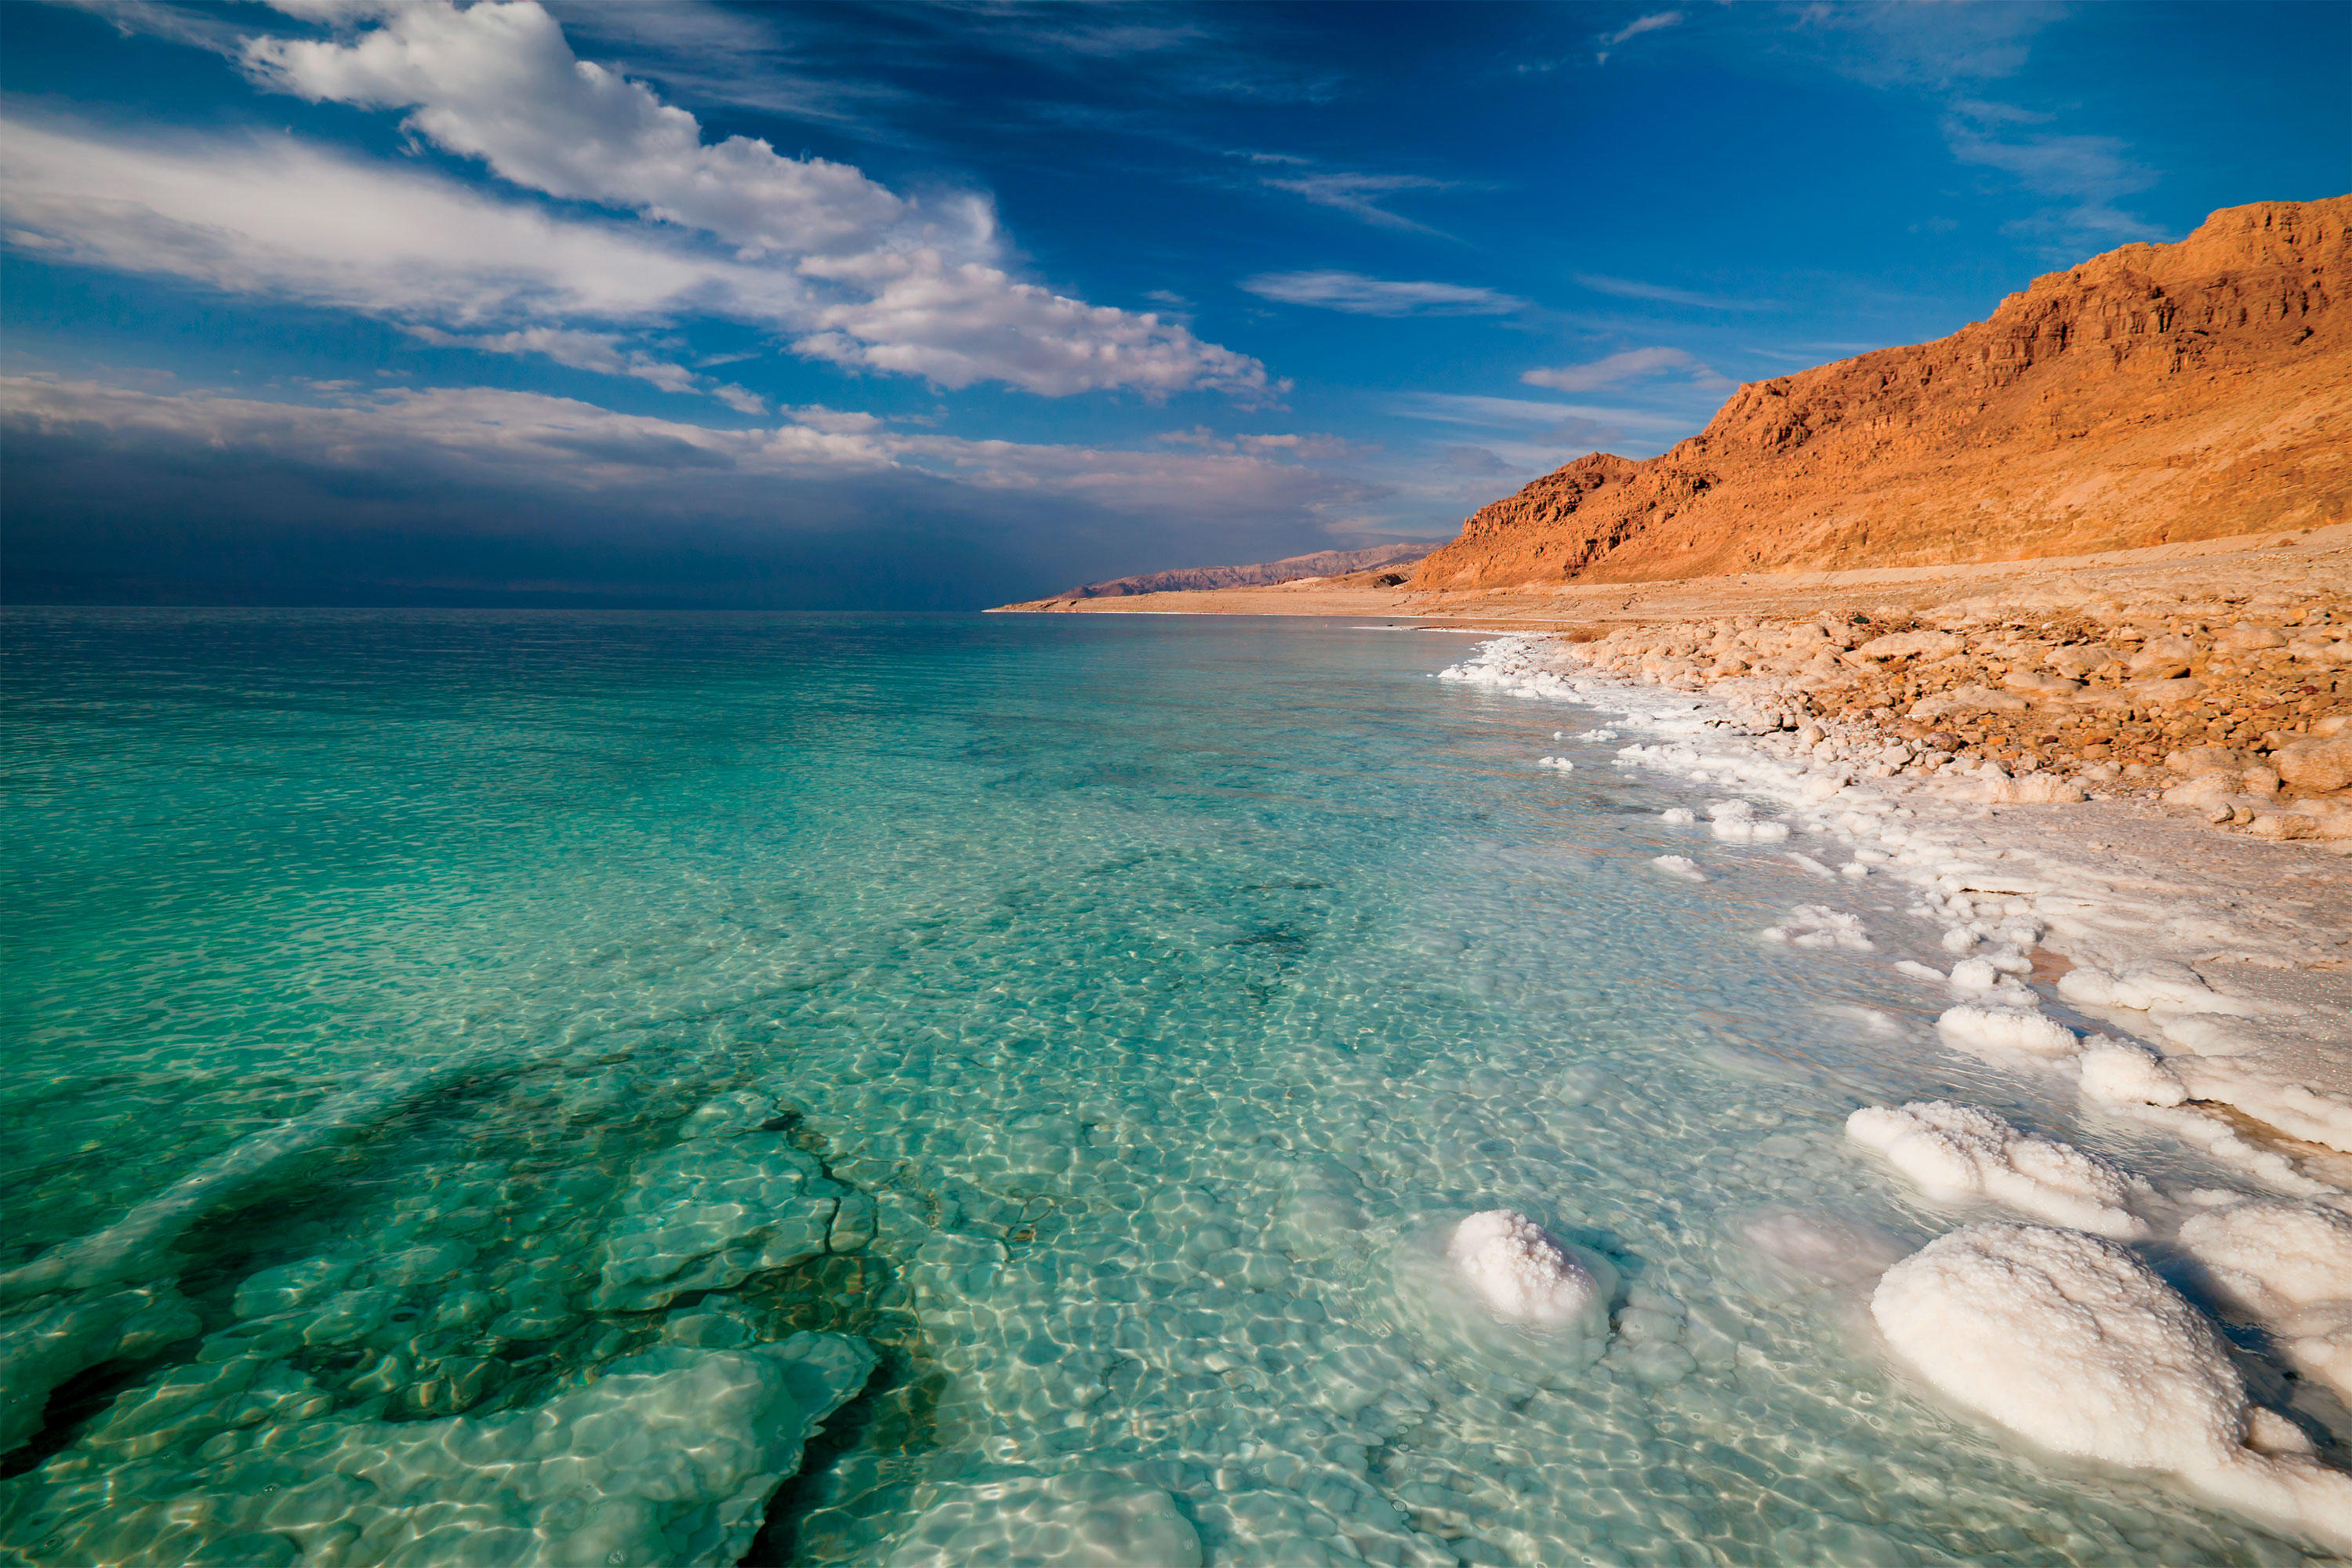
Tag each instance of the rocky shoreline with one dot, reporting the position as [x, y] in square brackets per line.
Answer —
[2238, 704]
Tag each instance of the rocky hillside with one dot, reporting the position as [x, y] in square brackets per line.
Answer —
[1291, 568]
[2156, 393]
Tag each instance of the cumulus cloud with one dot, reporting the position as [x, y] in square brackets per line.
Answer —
[1631, 364]
[851, 271]
[1362, 296]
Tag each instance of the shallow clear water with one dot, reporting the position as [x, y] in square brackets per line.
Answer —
[431, 1029]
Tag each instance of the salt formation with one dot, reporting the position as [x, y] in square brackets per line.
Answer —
[1681, 866]
[1818, 925]
[667, 1460]
[1562, 763]
[729, 1202]
[2077, 1346]
[1083, 1519]
[1678, 817]
[1736, 822]
[1520, 1270]
[2007, 1029]
[2120, 1073]
[2287, 1267]
[1955, 1151]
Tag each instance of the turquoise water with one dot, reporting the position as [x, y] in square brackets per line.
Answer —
[499, 1088]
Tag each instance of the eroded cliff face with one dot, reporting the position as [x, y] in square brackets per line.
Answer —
[2153, 394]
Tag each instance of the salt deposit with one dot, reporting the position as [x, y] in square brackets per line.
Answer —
[1681, 866]
[1955, 1151]
[2080, 1347]
[1818, 925]
[1520, 1270]
[2287, 1267]
[2007, 1029]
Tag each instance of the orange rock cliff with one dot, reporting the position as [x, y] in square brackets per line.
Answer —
[2155, 395]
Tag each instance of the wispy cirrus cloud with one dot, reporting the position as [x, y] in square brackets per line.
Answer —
[1656, 21]
[1360, 196]
[1361, 296]
[2084, 177]
[1629, 365]
[1631, 289]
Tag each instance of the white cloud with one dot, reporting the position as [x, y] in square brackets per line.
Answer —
[850, 270]
[1630, 288]
[1362, 296]
[563, 445]
[1631, 364]
[1503, 413]
[2084, 175]
[1635, 28]
[1360, 195]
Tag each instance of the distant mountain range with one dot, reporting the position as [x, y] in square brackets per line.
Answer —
[2156, 394]
[1322, 563]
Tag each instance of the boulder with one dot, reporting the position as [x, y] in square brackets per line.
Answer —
[1967, 700]
[2316, 763]
[1911, 645]
[2162, 659]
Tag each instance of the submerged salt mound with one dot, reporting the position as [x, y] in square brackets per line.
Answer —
[1087, 1518]
[2289, 1267]
[669, 1458]
[1818, 925]
[2074, 1344]
[1957, 1151]
[1502, 1302]
[1521, 1270]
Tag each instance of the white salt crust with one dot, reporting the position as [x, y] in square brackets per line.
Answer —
[1681, 866]
[2080, 1347]
[1958, 1152]
[1818, 925]
[2144, 939]
[2287, 1267]
[2007, 1029]
[1520, 1270]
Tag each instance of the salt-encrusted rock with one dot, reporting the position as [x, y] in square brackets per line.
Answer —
[2117, 1072]
[1520, 1270]
[2288, 1267]
[1961, 1152]
[2007, 1029]
[2079, 1347]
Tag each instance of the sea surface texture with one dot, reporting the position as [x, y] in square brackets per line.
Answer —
[549, 1088]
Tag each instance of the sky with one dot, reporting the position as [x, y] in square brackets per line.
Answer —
[933, 306]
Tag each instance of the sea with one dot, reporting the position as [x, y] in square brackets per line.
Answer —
[646, 1089]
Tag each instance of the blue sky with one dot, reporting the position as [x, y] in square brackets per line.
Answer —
[935, 305]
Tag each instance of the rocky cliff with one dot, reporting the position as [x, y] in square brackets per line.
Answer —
[1291, 568]
[2154, 395]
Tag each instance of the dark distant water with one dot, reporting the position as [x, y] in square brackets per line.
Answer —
[485, 1087]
